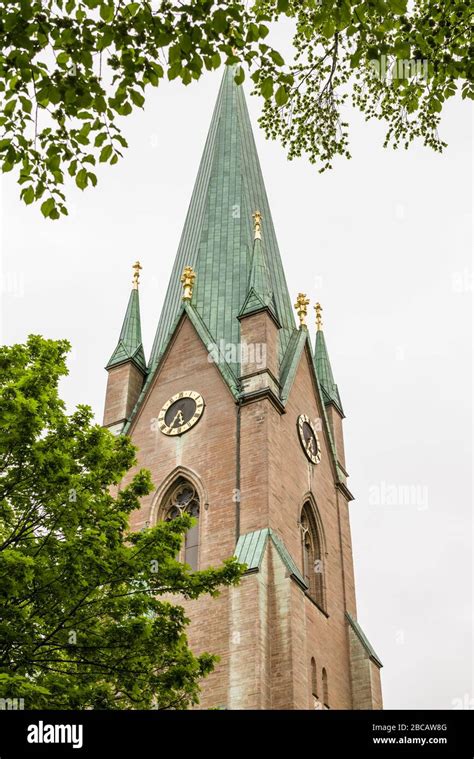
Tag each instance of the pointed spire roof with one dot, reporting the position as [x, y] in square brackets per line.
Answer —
[129, 346]
[217, 239]
[324, 371]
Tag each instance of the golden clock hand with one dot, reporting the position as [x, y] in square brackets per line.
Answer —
[180, 418]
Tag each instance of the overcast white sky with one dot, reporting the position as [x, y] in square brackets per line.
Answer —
[383, 241]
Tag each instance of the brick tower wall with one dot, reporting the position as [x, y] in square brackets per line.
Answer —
[267, 629]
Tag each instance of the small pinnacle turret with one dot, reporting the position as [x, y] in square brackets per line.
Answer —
[130, 346]
[323, 365]
[259, 293]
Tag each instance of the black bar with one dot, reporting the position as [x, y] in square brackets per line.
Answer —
[157, 733]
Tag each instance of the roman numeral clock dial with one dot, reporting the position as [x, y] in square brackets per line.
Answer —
[309, 439]
[181, 412]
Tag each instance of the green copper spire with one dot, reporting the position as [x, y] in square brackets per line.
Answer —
[323, 365]
[129, 346]
[218, 234]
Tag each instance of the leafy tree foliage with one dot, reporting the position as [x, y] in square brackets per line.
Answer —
[69, 69]
[85, 615]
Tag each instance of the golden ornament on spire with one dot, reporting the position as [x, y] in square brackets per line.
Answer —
[187, 280]
[257, 225]
[319, 319]
[136, 276]
[301, 305]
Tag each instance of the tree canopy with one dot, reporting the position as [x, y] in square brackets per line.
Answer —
[83, 620]
[70, 69]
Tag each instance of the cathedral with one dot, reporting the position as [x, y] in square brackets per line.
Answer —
[240, 422]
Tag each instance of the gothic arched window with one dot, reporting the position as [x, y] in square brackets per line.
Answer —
[313, 568]
[325, 688]
[185, 500]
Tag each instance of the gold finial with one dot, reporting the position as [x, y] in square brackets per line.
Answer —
[319, 319]
[187, 280]
[301, 305]
[257, 225]
[136, 276]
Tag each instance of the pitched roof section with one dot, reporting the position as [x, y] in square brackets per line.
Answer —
[217, 238]
[363, 639]
[129, 346]
[250, 549]
[324, 371]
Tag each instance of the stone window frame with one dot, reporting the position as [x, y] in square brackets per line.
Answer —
[162, 497]
[184, 499]
[312, 537]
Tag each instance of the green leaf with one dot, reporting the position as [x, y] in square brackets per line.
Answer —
[239, 76]
[100, 139]
[47, 207]
[174, 71]
[29, 195]
[105, 153]
[266, 88]
[276, 58]
[281, 96]
[106, 39]
[137, 98]
[132, 8]
[328, 28]
[398, 6]
[253, 32]
[219, 21]
[9, 108]
[120, 139]
[81, 179]
[355, 58]
[186, 43]
[106, 12]
[402, 50]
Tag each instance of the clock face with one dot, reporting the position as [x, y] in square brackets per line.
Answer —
[181, 412]
[309, 439]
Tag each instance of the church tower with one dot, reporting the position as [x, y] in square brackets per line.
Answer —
[240, 422]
